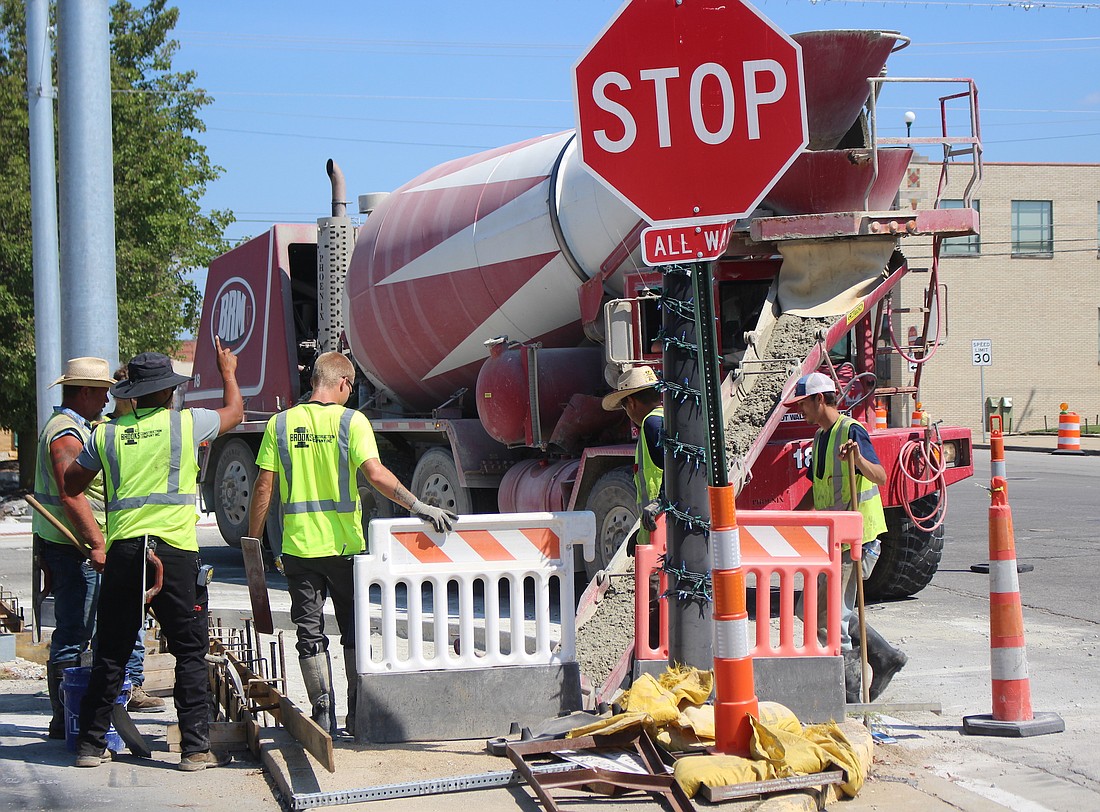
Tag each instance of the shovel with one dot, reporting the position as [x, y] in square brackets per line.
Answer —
[857, 563]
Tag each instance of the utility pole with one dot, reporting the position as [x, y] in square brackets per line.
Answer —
[89, 305]
[47, 282]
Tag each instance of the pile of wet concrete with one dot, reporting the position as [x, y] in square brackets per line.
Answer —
[792, 337]
[604, 637]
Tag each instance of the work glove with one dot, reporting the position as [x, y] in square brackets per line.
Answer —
[650, 512]
[442, 520]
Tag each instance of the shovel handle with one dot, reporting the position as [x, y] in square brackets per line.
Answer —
[66, 532]
[857, 564]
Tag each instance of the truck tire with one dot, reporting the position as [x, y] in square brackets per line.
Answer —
[435, 482]
[613, 499]
[234, 479]
[910, 556]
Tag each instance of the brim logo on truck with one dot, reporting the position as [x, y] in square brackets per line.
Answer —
[234, 314]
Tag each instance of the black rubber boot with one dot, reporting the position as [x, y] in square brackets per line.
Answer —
[317, 675]
[55, 677]
[853, 668]
[353, 689]
[885, 661]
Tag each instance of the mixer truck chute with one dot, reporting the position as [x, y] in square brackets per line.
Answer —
[486, 301]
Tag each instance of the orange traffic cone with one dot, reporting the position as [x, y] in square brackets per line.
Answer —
[997, 469]
[918, 417]
[1012, 714]
[880, 416]
[734, 692]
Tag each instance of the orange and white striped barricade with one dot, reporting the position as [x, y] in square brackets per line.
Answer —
[790, 552]
[1012, 714]
[487, 612]
[880, 416]
[1069, 431]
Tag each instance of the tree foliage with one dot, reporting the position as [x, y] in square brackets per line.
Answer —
[160, 172]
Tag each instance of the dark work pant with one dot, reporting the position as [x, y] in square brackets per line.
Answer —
[310, 581]
[180, 608]
[75, 589]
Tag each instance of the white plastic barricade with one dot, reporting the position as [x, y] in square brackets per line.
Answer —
[477, 597]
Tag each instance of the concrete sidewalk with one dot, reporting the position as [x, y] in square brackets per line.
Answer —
[1048, 443]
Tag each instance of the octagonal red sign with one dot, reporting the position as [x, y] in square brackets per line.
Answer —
[690, 110]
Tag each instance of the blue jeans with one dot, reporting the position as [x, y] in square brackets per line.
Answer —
[75, 588]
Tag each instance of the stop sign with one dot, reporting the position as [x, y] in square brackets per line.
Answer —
[690, 110]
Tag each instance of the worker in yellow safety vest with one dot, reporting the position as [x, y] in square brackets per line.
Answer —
[149, 460]
[315, 449]
[837, 437]
[636, 394]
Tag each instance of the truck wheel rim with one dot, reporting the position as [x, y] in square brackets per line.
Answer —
[235, 495]
[616, 524]
[438, 492]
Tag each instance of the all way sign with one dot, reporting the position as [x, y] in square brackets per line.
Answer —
[684, 243]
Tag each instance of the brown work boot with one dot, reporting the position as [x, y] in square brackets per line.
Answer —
[91, 758]
[200, 761]
[141, 702]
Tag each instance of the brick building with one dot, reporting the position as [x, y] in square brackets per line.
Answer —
[1028, 283]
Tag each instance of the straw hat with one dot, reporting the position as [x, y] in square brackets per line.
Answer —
[633, 380]
[87, 371]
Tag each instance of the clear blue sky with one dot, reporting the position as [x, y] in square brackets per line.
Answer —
[391, 89]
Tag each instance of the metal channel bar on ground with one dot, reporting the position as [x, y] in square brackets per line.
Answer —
[409, 789]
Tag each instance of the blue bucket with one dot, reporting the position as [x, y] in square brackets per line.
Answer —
[74, 685]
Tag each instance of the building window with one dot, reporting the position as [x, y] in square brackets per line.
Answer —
[970, 246]
[1032, 228]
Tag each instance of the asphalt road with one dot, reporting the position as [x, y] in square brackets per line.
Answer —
[944, 630]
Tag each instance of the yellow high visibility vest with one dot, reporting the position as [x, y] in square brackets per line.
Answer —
[48, 492]
[647, 474]
[151, 477]
[322, 514]
[832, 491]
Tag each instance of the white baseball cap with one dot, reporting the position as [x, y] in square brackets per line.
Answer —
[813, 384]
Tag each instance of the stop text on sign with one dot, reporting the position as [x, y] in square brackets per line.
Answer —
[653, 85]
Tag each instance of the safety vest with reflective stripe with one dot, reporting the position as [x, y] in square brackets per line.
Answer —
[151, 477]
[832, 491]
[647, 474]
[47, 491]
[319, 498]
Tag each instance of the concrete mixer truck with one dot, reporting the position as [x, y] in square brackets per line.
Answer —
[486, 301]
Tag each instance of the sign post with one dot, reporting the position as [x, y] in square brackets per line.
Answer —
[981, 351]
[690, 112]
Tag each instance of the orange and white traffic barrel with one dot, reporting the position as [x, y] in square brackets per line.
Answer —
[1069, 431]
[917, 421]
[880, 416]
[1012, 714]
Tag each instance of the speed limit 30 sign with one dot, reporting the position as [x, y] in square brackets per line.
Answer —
[981, 350]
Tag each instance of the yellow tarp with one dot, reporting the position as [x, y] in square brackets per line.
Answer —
[672, 710]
